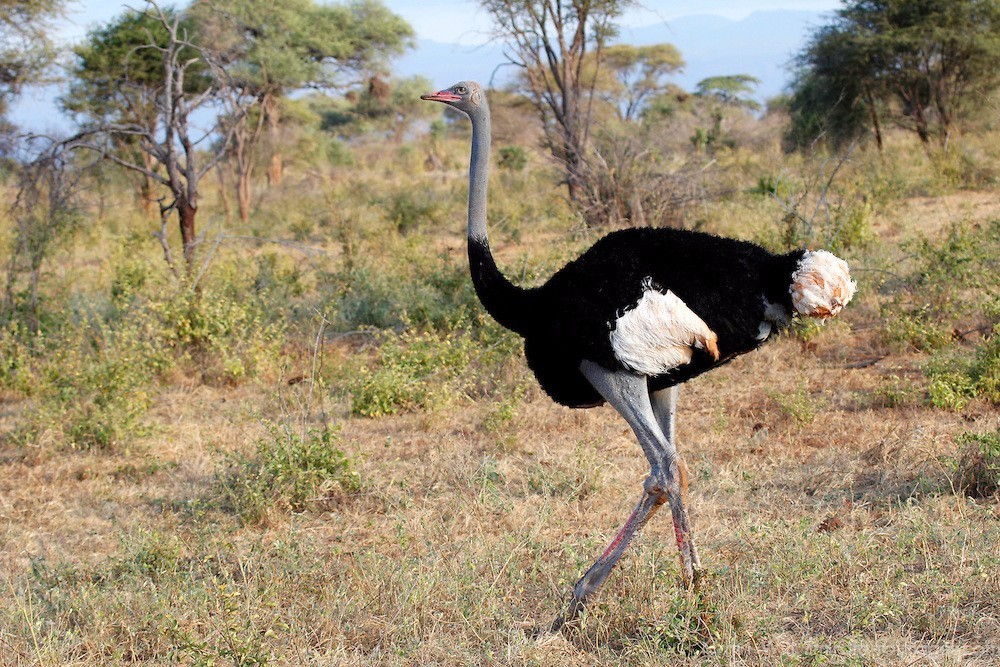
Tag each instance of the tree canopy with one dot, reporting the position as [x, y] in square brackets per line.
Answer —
[25, 48]
[730, 91]
[558, 44]
[639, 73]
[118, 72]
[302, 44]
[915, 63]
[271, 49]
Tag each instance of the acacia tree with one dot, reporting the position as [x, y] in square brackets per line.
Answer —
[25, 48]
[271, 49]
[918, 63]
[558, 45]
[833, 96]
[191, 82]
[639, 74]
[724, 92]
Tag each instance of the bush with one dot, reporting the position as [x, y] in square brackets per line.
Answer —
[433, 293]
[512, 158]
[92, 388]
[286, 472]
[953, 286]
[16, 373]
[228, 337]
[913, 328]
[409, 210]
[411, 371]
[956, 379]
[94, 372]
[977, 471]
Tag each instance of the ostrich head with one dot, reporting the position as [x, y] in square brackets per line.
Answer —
[465, 96]
[821, 285]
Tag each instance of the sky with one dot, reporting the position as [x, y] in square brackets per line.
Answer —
[437, 19]
[447, 21]
[462, 21]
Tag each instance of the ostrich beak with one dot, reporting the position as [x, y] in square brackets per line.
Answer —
[441, 96]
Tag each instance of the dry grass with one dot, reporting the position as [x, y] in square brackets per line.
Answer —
[825, 514]
[458, 543]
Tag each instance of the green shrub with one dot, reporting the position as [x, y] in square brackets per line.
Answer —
[130, 277]
[977, 470]
[512, 158]
[434, 292]
[409, 210]
[286, 472]
[948, 286]
[411, 371]
[94, 372]
[799, 406]
[771, 186]
[955, 378]
[227, 338]
[16, 372]
[92, 389]
[959, 169]
[842, 226]
[913, 328]
[896, 392]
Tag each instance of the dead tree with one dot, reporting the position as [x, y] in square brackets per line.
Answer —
[557, 45]
[45, 212]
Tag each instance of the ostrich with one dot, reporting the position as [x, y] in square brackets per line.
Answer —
[640, 312]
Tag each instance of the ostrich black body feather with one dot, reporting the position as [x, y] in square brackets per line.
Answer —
[726, 282]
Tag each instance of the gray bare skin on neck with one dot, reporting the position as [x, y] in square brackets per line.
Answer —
[479, 167]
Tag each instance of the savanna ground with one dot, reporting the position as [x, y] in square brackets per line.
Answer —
[328, 454]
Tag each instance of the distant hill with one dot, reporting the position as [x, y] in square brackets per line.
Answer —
[762, 45]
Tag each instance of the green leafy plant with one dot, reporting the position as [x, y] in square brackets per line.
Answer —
[410, 210]
[955, 378]
[411, 371]
[92, 387]
[799, 406]
[913, 328]
[977, 470]
[512, 158]
[286, 471]
[228, 337]
[434, 293]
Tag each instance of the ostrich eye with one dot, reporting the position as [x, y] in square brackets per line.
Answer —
[461, 90]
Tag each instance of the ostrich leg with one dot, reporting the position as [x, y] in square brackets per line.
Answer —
[665, 407]
[629, 395]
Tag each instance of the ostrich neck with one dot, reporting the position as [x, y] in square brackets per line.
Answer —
[509, 305]
[479, 174]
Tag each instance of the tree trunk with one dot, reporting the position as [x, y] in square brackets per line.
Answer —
[147, 187]
[227, 209]
[243, 196]
[275, 170]
[186, 214]
[921, 122]
[873, 113]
